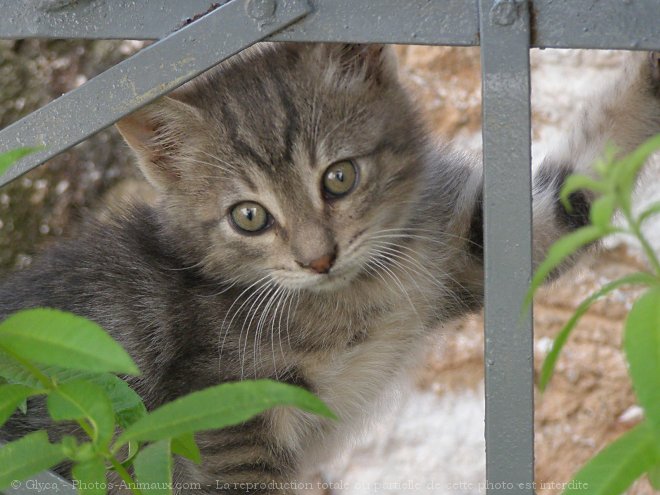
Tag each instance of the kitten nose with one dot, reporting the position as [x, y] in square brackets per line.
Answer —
[322, 264]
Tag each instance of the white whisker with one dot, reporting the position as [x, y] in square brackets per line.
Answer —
[251, 314]
[238, 298]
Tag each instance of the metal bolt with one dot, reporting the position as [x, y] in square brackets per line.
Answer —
[53, 5]
[504, 12]
[261, 9]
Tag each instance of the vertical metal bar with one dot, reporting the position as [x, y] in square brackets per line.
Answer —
[505, 42]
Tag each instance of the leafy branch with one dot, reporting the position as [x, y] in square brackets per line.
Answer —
[636, 452]
[45, 352]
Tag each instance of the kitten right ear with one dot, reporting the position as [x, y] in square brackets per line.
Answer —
[372, 63]
[156, 134]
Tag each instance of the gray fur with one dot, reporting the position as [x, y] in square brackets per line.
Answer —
[196, 303]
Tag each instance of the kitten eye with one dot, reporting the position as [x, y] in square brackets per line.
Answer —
[339, 179]
[249, 217]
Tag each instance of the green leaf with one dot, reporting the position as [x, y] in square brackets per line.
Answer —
[601, 211]
[132, 451]
[90, 477]
[220, 406]
[606, 164]
[153, 469]
[84, 452]
[14, 372]
[615, 467]
[654, 477]
[641, 343]
[82, 400]
[126, 403]
[69, 445]
[628, 167]
[559, 251]
[549, 362]
[27, 456]
[649, 211]
[10, 157]
[185, 446]
[11, 396]
[49, 336]
[575, 183]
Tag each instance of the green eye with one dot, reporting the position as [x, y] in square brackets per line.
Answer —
[339, 179]
[250, 217]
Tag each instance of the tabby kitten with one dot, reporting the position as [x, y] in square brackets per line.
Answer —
[309, 230]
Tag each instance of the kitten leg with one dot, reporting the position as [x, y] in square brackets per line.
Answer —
[240, 459]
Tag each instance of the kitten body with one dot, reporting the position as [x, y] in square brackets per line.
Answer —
[197, 302]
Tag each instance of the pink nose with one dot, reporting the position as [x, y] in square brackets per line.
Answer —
[322, 264]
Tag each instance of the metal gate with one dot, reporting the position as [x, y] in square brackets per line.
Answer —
[195, 35]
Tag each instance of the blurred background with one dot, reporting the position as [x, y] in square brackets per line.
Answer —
[432, 440]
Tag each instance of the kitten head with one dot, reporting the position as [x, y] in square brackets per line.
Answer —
[285, 163]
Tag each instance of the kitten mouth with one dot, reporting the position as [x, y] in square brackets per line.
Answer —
[332, 281]
[337, 278]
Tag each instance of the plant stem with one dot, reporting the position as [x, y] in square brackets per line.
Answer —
[133, 450]
[85, 427]
[92, 433]
[646, 246]
[124, 475]
[650, 254]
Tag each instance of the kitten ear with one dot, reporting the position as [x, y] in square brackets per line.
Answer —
[373, 63]
[156, 133]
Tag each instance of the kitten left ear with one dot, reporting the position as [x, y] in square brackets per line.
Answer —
[156, 133]
[374, 63]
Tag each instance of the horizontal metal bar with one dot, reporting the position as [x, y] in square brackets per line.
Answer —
[508, 353]
[430, 22]
[393, 21]
[555, 23]
[97, 19]
[144, 77]
[624, 24]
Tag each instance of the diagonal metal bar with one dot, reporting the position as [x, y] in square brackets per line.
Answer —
[505, 35]
[145, 76]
